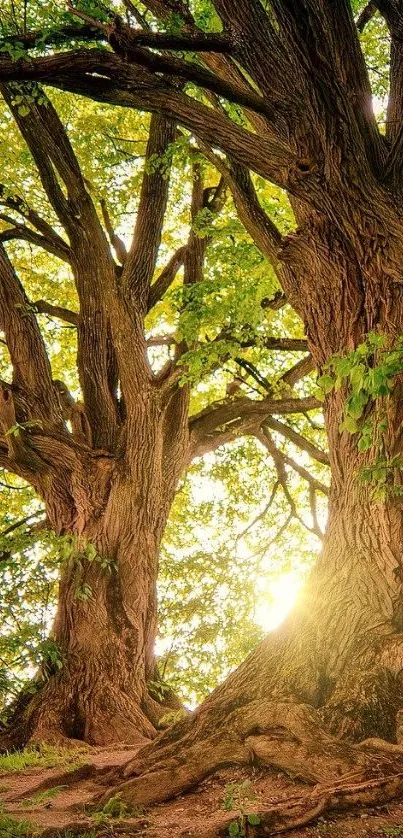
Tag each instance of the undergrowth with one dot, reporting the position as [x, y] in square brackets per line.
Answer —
[12, 828]
[45, 756]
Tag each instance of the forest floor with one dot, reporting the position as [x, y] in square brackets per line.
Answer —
[57, 802]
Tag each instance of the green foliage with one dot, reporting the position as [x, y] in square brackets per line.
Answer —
[392, 831]
[12, 828]
[47, 756]
[115, 809]
[239, 796]
[236, 795]
[42, 797]
[369, 373]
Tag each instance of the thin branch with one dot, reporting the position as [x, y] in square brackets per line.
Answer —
[161, 340]
[298, 440]
[138, 17]
[21, 523]
[275, 303]
[20, 206]
[280, 461]
[43, 307]
[261, 515]
[22, 233]
[166, 277]
[115, 240]
[230, 414]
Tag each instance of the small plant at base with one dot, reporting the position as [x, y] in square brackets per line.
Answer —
[392, 831]
[237, 829]
[237, 796]
[47, 756]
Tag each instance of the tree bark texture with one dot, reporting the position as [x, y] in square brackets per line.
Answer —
[331, 676]
[106, 621]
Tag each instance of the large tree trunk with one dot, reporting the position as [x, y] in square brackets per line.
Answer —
[333, 669]
[106, 686]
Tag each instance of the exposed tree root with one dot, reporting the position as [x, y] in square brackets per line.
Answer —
[282, 735]
[300, 811]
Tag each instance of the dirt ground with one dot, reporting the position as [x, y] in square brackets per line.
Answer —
[60, 803]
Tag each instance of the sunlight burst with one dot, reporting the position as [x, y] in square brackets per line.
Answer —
[274, 604]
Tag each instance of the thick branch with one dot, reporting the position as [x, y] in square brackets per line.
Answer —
[368, 12]
[195, 42]
[298, 371]
[31, 367]
[230, 414]
[141, 260]
[120, 83]
[90, 258]
[260, 227]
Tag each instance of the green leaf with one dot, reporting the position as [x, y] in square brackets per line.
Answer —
[326, 383]
[349, 424]
[356, 404]
[234, 830]
[253, 820]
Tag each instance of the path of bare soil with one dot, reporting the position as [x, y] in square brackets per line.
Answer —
[60, 803]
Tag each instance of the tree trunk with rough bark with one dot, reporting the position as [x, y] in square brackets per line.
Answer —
[107, 689]
[332, 671]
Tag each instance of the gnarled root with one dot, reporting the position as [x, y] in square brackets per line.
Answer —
[266, 734]
[297, 812]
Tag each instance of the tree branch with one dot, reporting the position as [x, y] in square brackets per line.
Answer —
[166, 277]
[298, 371]
[42, 307]
[280, 461]
[31, 367]
[115, 240]
[229, 415]
[23, 233]
[298, 440]
[18, 204]
[260, 227]
[193, 42]
[138, 88]
[369, 11]
[91, 259]
[140, 263]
